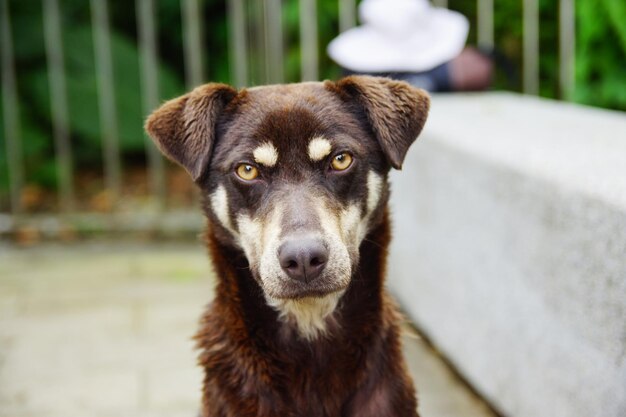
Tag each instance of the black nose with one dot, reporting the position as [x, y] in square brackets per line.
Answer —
[303, 259]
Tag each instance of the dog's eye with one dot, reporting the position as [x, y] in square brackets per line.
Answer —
[247, 172]
[341, 161]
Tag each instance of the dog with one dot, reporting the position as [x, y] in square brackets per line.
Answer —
[294, 188]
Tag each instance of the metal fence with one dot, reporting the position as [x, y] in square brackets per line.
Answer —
[267, 43]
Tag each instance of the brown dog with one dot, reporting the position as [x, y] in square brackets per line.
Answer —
[294, 181]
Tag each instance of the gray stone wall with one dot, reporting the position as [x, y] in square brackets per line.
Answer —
[509, 250]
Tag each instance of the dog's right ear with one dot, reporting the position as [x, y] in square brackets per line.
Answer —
[395, 110]
[184, 128]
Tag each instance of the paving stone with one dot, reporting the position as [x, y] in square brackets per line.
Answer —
[105, 330]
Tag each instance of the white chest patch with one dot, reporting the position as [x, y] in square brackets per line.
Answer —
[319, 148]
[309, 314]
[266, 154]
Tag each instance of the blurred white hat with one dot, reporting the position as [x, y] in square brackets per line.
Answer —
[400, 35]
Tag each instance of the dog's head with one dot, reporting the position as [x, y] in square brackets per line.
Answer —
[294, 175]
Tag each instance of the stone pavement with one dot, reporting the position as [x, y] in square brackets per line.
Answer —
[104, 329]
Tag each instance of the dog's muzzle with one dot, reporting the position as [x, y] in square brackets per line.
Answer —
[303, 258]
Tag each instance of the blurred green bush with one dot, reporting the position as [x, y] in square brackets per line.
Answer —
[600, 47]
[600, 65]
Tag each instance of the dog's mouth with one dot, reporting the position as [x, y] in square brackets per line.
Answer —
[291, 290]
[280, 284]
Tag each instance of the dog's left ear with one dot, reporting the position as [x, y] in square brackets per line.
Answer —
[395, 110]
[184, 128]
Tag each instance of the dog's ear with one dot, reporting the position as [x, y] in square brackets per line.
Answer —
[395, 110]
[184, 128]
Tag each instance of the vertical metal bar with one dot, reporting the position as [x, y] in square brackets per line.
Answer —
[11, 112]
[192, 43]
[347, 14]
[440, 3]
[531, 47]
[146, 24]
[257, 49]
[238, 43]
[58, 100]
[308, 39]
[485, 23]
[567, 48]
[274, 41]
[265, 42]
[106, 98]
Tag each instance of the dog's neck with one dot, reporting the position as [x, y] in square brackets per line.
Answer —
[240, 298]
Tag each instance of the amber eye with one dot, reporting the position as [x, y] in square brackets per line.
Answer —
[341, 161]
[247, 172]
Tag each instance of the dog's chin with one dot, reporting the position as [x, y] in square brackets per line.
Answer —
[297, 292]
[284, 288]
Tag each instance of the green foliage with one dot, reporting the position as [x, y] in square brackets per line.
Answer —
[600, 64]
[600, 47]
[81, 82]
[601, 54]
[327, 28]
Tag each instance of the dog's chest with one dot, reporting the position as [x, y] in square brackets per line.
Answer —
[313, 379]
[315, 393]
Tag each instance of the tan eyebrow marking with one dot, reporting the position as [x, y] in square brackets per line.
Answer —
[319, 148]
[266, 154]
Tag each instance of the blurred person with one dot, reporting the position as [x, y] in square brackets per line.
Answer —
[412, 41]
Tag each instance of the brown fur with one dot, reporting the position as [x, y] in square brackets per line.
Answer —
[357, 371]
[256, 365]
[183, 128]
[395, 115]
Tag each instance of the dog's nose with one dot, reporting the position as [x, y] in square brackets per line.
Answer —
[303, 259]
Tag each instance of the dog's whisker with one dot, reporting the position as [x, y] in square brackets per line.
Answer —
[373, 242]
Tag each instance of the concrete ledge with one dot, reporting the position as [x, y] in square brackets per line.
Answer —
[510, 250]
